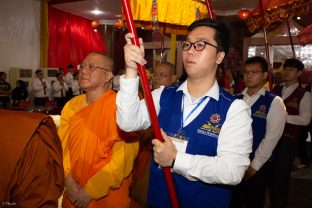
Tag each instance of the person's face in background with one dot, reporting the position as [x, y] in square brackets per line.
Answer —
[254, 76]
[39, 75]
[60, 78]
[162, 76]
[71, 69]
[291, 74]
[18, 83]
[61, 71]
[3, 77]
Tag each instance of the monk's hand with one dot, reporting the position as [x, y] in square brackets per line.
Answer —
[133, 55]
[71, 187]
[82, 199]
[249, 173]
[164, 152]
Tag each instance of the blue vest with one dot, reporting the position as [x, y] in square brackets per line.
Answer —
[203, 133]
[259, 112]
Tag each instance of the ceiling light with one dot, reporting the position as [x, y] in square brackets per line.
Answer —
[298, 18]
[243, 13]
[96, 12]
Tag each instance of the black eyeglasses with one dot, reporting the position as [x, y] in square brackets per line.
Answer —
[198, 45]
[253, 73]
[90, 66]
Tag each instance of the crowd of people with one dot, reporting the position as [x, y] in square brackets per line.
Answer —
[223, 150]
[43, 92]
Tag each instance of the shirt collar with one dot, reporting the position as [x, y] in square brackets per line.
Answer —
[291, 86]
[212, 93]
[260, 92]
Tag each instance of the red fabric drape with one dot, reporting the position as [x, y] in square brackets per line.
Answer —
[71, 38]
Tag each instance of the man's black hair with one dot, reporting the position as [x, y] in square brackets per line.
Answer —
[258, 60]
[37, 71]
[223, 33]
[294, 63]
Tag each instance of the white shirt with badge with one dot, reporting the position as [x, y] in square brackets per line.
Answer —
[276, 119]
[234, 142]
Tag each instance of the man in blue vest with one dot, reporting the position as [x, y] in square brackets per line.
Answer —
[269, 116]
[207, 133]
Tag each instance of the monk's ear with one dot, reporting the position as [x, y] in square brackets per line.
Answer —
[109, 76]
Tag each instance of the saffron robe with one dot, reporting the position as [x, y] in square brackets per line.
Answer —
[99, 156]
[31, 173]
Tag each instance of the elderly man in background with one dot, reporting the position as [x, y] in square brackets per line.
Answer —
[164, 75]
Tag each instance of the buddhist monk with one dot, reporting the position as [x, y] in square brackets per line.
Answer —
[98, 159]
[31, 173]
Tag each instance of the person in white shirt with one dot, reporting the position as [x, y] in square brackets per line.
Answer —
[298, 105]
[75, 85]
[69, 78]
[41, 88]
[269, 117]
[207, 133]
[59, 90]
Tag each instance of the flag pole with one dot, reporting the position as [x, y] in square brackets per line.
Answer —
[150, 103]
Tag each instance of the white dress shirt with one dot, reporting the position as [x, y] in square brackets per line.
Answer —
[37, 87]
[69, 78]
[75, 87]
[276, 119]
[304, 117]
[234, 142]
[58, 88]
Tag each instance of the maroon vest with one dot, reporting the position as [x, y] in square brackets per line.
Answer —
[292, 104]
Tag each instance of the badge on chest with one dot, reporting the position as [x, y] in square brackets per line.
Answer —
[179, 140]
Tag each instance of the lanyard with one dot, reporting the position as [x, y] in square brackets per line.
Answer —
[192, 111]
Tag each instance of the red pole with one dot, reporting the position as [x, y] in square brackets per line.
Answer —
[149, 101]
[291, 40]
[267, 53]
[209, 8]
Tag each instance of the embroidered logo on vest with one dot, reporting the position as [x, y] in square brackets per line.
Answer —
[260, 113]
[212, 127]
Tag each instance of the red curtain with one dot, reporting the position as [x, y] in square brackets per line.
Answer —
[71, 38]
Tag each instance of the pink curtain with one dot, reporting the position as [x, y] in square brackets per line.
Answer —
[71, 38]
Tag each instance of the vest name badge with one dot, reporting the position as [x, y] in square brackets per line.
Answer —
[212, 127]
[261, 112]
[179, 140]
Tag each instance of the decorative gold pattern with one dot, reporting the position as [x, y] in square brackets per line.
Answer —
[279, 13]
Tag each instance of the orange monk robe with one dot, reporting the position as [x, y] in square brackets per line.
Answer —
[99, 159]
[31, 173]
